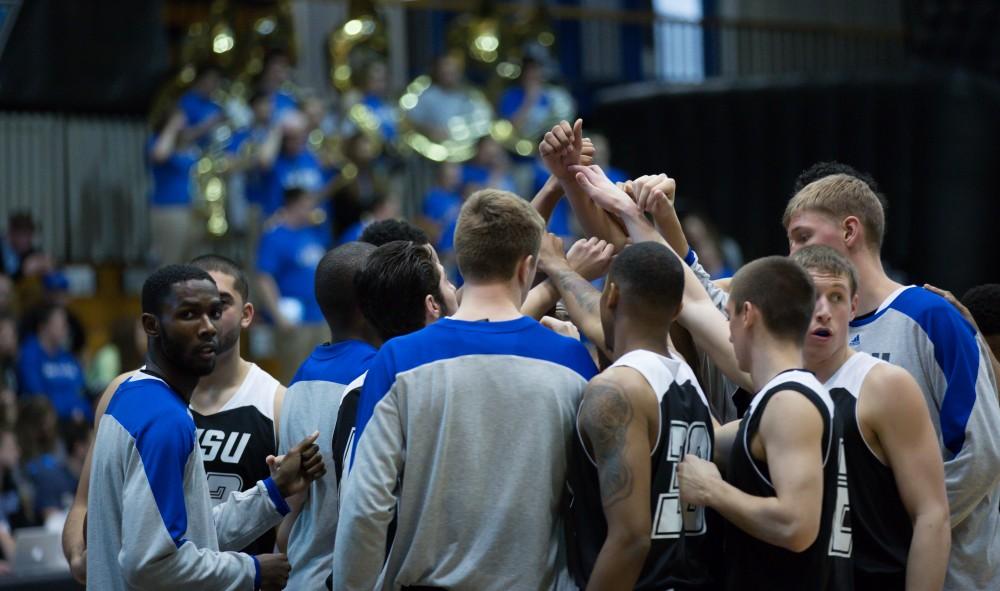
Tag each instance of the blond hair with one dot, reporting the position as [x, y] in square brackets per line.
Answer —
[839, 196]
[495, 230]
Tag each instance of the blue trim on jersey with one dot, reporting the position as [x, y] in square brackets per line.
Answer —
[449, 338]
[279, 501]
[955, 351]
[691, 257]
[256, 572]
[340, 363]
[158, 420]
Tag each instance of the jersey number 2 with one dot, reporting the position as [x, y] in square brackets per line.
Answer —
[671, 517]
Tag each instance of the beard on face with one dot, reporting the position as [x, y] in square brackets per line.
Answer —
[228, 340]
[186, 357]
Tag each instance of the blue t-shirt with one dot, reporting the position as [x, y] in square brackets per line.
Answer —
[441, 206]
[172, 182]
[512, 98]
[474, 174]
[449, 338]
[385, 114]
[57, 376]
[340, 363]
[290, 255]
[54, 485]
[283, 102]
[197, 108]
[353, 232]
[300, 170]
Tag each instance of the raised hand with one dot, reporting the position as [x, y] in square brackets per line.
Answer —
[654, 193]
[293, 471]
[602, 191]
[590, 257]
[551, 253]
[561, 148]
[587, 152]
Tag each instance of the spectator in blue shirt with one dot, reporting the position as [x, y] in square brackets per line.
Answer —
[287, 162]
[490, 168]
[247, 189]
[171, 161]
[376, 98]
[45, 366]
[443, 201]
[274, 78]
[286, 264]
[533, 105]
[201, 112]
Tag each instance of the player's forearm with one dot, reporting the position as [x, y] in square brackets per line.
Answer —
[582, 302]
[74, 540]
[546, 199]
[619, 563]
[670, 228]
[542, 298]
[930, 545]
[595, 221]
[769, 519]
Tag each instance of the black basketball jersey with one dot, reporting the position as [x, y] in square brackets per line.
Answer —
[755, 564]
[343, 431]
[881, 527]
[685, 540]
[236, 441]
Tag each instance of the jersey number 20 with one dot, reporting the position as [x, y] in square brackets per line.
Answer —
[671, 517]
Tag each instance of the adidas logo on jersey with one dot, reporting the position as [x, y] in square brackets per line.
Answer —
[228, 448]
[856, 341]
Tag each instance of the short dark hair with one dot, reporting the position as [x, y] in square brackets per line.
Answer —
[824, 259]
[393, 285]
[159, 285]
[293, 195]
[832, 167]
[649, 272]
[221, 264]
[21, 220]
[783, 292]
[386, 231]
[983, 302]
[335, 291]
[495, 231]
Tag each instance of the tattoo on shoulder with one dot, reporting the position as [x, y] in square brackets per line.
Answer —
[607, 414]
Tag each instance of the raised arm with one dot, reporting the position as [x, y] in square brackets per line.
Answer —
[581, 298]
[893, 406]
[615, 418]
[560, 149]
[790, 433]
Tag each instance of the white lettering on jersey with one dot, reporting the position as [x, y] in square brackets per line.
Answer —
[212, 441]
[671, 518]
[841, 539]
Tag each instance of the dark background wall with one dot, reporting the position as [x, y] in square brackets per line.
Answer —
[930, 139]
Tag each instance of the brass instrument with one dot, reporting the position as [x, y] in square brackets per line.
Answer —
[463, 132]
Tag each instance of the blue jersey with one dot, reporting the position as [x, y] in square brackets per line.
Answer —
[924, 334]
[441, 206]
[58, 376]
[290, 255]
[339, 362]
[291, 171]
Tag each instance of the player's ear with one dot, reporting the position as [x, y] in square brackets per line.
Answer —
[854, 305]
[612, 296]
[851, 231]
[150, 325]
[432, 310]
[526, 270]
[247, 318]
[749, 315]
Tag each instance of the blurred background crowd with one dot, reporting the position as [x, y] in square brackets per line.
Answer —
[135, 134]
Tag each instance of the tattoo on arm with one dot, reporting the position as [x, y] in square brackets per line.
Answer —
[606, 416]
[571, 284]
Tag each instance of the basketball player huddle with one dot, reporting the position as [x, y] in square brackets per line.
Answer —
[466, 439]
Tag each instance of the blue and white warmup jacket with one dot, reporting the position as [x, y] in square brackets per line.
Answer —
[924, 334]
[150, 521]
